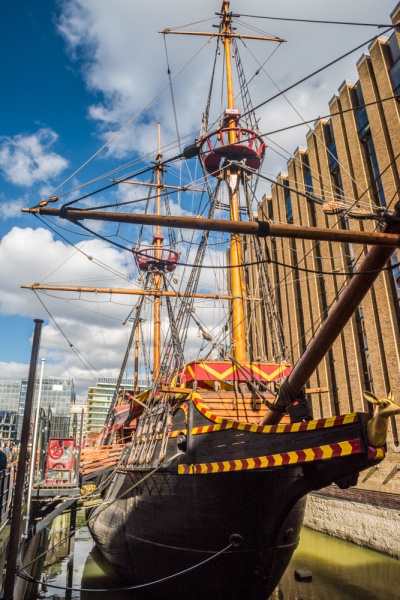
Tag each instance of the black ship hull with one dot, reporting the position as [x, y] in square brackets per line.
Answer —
[214, 521]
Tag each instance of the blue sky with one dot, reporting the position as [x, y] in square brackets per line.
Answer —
[73, 73]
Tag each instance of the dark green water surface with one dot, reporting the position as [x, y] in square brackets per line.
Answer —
[340, 571]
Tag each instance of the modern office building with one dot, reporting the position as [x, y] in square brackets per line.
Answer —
[10, 393]
[346, 177]
[8, 426]
[57, 394]
[99, 400]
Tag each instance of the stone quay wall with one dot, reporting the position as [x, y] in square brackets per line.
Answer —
[368, 519]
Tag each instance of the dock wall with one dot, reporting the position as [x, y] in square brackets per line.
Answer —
[368, 519]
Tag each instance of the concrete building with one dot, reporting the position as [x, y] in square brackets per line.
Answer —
[99, 400]
[78, 417]
[350, 169]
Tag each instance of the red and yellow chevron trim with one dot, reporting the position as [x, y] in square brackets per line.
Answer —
[274, 460]
[184, 407]
[205, 429]
[284, 428]
[376, 453]
[224, 370]
[174, 434]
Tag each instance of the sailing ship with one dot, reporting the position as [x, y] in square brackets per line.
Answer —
[220, 452]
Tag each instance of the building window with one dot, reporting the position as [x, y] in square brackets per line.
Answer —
[333, 160]
[307, 174]
[288, 202]
[361, 112]
[364, 133]
[331, 147]
[377, 185]
[394, 70]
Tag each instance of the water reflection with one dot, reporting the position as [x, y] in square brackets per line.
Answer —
[341, 571]
[97, 575]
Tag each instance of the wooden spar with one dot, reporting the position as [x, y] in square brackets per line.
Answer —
[225, 35]
[244, 227]
[129, 292]
[181, 188]
[341, 313]
[136, 365]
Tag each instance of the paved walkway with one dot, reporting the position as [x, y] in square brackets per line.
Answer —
[381, 499]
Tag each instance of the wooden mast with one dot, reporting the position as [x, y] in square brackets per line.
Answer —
[157, 277]
[232, 176]
[232, 179]
[136, 363]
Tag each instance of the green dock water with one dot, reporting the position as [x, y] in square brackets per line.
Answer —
[340, 571]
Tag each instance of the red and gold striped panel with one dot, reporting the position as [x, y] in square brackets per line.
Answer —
[275, 460]
[225, 370]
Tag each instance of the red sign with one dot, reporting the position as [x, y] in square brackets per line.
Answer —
[60, 460]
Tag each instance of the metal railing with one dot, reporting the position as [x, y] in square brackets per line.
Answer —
[7, 479]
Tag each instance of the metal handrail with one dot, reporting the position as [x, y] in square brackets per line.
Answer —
[7, 480]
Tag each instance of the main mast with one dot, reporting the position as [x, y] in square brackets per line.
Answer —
[220, 151]
[232, 179]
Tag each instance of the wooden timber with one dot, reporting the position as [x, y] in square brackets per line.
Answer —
[245, 227]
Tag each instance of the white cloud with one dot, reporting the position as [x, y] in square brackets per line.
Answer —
[11, 209]
[28, 159]
[123, 61]
[12, 371]
[92, 324]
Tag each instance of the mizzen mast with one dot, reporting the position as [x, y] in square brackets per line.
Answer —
[157, 277]
[157, 260]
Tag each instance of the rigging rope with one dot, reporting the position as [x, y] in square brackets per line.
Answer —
[129, 122]
[73, 348]
[113, 403]
[172, 94]
[293, 85]
[278, 342]
[391, 26]
[322, 141]
[245, 264]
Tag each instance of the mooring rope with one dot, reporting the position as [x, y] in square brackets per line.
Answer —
[28, 577]
[102, 507]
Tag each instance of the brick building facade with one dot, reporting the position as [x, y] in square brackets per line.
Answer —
[351, 161]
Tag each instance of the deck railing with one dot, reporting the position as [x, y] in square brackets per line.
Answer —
[7, 479]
